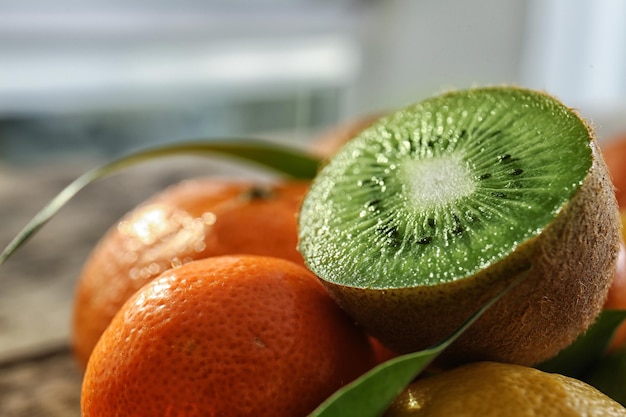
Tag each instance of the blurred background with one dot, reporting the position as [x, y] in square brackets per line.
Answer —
[103, 77]
[84, 82]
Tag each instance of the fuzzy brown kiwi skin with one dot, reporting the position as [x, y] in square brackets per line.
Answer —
[569, 268]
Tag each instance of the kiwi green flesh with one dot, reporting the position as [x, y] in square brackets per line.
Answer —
[567, 272]
[443, 189]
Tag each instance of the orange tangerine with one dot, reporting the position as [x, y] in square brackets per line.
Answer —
[237, 336]
[490, 389]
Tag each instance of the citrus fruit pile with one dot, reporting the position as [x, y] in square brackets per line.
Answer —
[192, 220]
[224, 298]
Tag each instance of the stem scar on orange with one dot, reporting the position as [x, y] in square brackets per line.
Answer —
[191, 220]
[237, 335]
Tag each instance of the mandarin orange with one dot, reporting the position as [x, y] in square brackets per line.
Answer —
[191, 220]
[238, 335]
[491, 389]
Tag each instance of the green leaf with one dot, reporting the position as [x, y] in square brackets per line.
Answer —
[372, 393]
[285, 160]
[576, 360]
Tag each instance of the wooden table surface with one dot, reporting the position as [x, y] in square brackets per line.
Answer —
[37, 374]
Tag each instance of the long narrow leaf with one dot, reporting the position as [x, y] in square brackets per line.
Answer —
[284, 160]
[372, 393]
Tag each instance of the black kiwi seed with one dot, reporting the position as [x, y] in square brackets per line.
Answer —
[506, 158]
[390, 233]
[458, 228]
[388, 230]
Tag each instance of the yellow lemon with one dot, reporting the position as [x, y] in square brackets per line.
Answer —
[486, 389]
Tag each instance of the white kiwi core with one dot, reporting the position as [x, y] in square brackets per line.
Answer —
[437, 182]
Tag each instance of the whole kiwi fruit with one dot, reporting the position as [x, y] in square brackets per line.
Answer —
[435, 208]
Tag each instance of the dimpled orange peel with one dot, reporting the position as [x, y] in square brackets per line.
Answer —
[489, 389]
[228, 336]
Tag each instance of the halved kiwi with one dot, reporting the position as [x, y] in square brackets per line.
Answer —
[435, 208]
